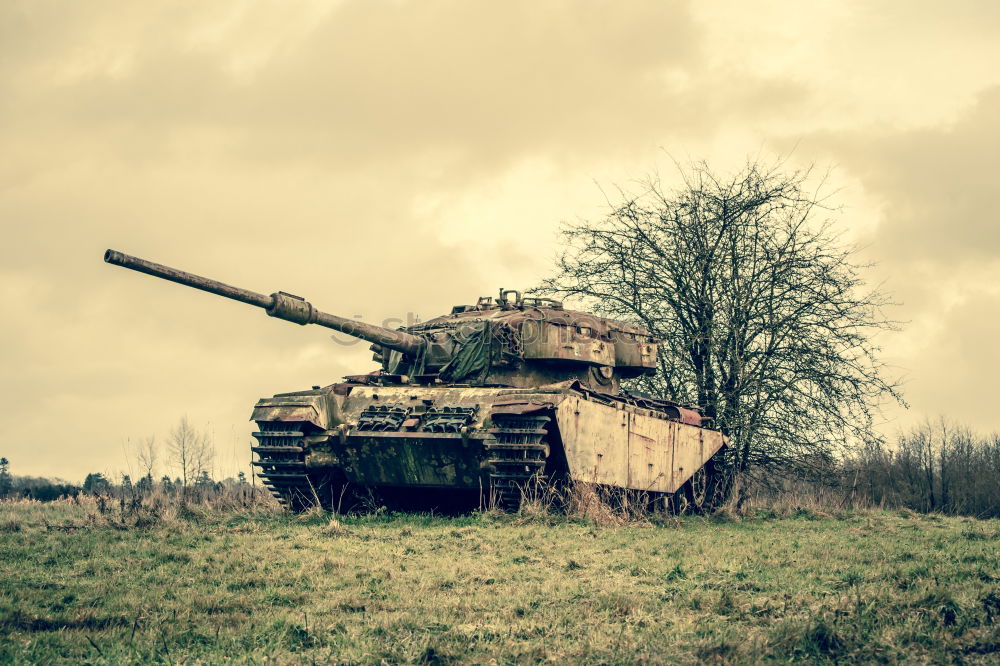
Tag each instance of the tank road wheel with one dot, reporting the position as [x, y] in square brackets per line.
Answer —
[696, 491]
[282, 464]
[691, 497]
[516, 457]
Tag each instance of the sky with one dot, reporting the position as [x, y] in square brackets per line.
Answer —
[390, 159]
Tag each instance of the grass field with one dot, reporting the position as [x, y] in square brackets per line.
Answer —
[256, 587]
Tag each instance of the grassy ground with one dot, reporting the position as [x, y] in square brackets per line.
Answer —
[486, 588]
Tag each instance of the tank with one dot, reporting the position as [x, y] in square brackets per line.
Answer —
[472, 408]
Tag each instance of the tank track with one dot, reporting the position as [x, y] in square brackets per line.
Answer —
[516, 457]
[281, 463]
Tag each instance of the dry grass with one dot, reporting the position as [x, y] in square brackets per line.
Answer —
[601, 585]
[158, 508]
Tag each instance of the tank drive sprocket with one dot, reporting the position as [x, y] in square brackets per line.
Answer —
[281, 463]
[516, 457]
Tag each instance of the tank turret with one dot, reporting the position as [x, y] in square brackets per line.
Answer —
[510, 340]
[525, 342]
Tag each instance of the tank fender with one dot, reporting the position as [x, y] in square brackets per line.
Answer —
[629, 447]
[321, 407]
[521, 407]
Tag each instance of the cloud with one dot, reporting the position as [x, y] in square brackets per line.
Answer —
[452, 88]
[384, 157]
[936, 186]
[937, 243]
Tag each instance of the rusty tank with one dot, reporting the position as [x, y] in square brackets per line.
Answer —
[472, 408]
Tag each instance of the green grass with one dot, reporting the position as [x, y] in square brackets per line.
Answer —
[407, 589]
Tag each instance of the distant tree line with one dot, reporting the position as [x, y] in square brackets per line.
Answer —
[188, 451]
[33, 487]
[42, 489]
[938, 466]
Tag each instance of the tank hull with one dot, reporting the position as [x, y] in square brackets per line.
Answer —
[468, 444]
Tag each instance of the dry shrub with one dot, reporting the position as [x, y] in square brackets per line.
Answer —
[538, 500]
[782, 496]
[134, 509]
[604, 505]
[312, 514]
[586, 501]
[590, 502]
[10, 525]
[334, 528]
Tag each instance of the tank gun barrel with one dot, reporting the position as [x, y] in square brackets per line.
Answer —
[280, 304]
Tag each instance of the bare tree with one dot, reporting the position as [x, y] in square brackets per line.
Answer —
[190, 450]
[763, 315]
[6, 482]
[146, 455]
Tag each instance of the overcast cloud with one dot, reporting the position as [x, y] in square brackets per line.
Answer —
[384, 158]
